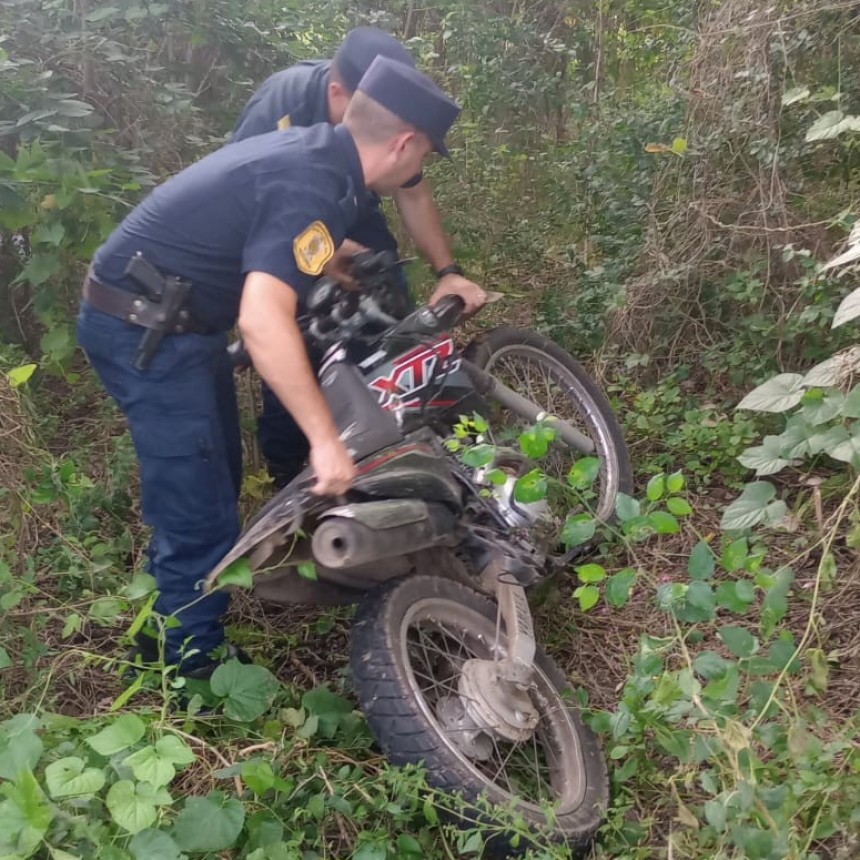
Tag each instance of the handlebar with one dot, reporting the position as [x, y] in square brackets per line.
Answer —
[377, 308]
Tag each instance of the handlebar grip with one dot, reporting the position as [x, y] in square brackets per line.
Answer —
[449, 310]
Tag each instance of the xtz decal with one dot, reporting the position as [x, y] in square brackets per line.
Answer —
[412, 372]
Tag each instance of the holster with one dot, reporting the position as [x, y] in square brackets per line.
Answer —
[160, 308]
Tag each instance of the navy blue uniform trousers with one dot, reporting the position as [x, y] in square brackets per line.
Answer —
[281, 440]
[184, 421]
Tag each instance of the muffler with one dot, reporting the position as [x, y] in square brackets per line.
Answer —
[369, 531]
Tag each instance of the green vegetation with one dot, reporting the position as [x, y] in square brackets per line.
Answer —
[655, 187]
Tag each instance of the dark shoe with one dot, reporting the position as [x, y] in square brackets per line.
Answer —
[205, 671]
[144, 653]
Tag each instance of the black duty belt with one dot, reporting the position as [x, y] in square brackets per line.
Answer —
[138, 309]
[162, 307]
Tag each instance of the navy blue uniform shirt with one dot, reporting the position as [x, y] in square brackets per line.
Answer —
[249, 207]
[297, 96]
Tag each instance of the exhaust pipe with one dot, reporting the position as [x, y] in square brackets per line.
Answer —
[365, 532]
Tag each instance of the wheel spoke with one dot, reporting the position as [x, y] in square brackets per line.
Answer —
[523, 770]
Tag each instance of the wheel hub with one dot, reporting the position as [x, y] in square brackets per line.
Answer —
[494, 704]
[462, 731]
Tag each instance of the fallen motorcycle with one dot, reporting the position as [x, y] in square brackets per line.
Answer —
[444, 659]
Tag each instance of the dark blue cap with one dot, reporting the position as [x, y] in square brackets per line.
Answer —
[361, 47]
[413, 97]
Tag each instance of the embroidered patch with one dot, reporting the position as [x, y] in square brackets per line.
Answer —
[284, 122]
[313, 248]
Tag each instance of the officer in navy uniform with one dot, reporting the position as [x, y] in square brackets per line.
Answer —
[319, 91]
[240, 236]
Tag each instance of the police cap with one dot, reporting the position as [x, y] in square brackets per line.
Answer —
[413, 97]
[360, 48]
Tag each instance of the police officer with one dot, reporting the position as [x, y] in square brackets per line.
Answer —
[241, 236]
[319, 91]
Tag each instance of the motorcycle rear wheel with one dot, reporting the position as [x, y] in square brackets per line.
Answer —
[541, 371]
[408, 641]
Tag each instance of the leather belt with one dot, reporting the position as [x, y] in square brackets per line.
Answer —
[137, 309]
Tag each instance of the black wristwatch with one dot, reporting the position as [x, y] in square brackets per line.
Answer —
[450, 269]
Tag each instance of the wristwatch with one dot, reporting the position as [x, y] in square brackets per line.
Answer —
[450, 269]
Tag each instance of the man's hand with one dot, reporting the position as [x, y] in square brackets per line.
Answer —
[333, 466]
[456, 285]
[340, 265]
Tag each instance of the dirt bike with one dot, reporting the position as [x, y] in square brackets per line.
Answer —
[443, 653]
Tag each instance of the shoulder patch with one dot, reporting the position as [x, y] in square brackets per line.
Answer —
[284, 122]
[313, 248]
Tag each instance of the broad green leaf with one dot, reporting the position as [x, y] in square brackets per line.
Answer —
[626, 507]
[175, 750]
[739, 641]
[831, 125]
[619, 586]
[535, 441]
[329, 709]
[678, 506]
[849, 450]
[5, 659]
[583, 473]
[750, 508]
[587, 595]
[827, 439]
[531, 487]
[701, 563]
[711, 665]
[24, 817]
[716, 814]
[789, 97]
[210, 823]
[70, 777]
[376, 849]
[675, 482]
[154, 845]
[128, 809]
[148, 766]
[851, 406]
[123, 732]
[73, 108]
[479, 455]
[41, 267]
[50, 233]
[19, 376]
[849, 307]
[664, 523]
[20, 746]
[735, 555]
[775, 605]
[736, 596]
[823, 410]
[779, 394]
[237, 574]
[701, 596]
[578, 530]
[782, 653]
[590, 573]
[656, 488]
[140, 586]
[248, 690]
[794, 440]
[767, 458]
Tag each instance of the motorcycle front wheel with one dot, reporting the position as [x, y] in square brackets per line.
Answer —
[541, 371]
[410, 641]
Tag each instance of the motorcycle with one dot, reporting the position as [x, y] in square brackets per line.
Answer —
[444, 659]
